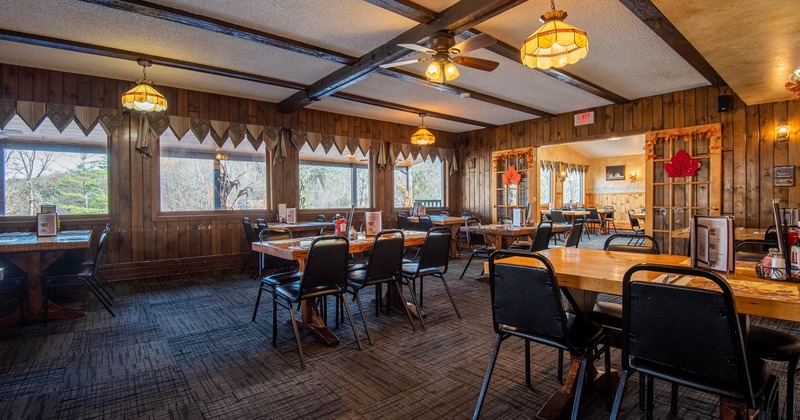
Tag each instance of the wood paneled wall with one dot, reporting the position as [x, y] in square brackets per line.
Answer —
[143, 243]
[749, 149]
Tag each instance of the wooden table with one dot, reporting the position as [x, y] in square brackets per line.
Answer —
[450, 221]
[34, 254]
[290, 249]
[637, 215]
[577, 269]
[739, 234]
[501, 236]
[301, 227]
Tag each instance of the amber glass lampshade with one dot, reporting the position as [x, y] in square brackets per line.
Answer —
[422, 137]
[554, 44]
[143, 97]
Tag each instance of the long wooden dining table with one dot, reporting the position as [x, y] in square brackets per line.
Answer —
[501, 236]
[587, 272]
[291, 249]
[33, 255]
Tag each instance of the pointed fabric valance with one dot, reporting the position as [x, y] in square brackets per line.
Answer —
[556, 166]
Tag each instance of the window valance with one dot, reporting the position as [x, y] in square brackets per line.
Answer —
[152, 125]
[563, 166]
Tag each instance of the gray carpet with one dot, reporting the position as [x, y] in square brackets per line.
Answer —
[186, 348]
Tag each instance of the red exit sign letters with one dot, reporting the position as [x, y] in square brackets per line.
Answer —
[584, 118]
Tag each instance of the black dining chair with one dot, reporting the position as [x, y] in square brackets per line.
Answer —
[556, 217]
[644, 244]
[593, 220]
[425, 223]
[13, 290]
[320, 218]
[433, 262]
[62, 273]
[444, 213]
[402, 221]
[477, 245]
[250, 236]
[270, 262]
[261, 224]
[325, 274]
[574, 237]
[691, 337]
[384, 266]
[608, 219]
[541, 239]
[527, 303]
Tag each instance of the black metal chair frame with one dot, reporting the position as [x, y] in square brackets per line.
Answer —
[525, 311]
[574, 238]
[311, 286]
[653, 351]
[474, 239]
[608, 218]
[635, 241]
[250, 236]
[433, 261]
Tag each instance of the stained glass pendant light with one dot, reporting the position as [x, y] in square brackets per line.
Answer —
[144, 97]
[422, 137]
[554, 44]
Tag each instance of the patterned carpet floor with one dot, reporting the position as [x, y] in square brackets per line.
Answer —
[186, 348]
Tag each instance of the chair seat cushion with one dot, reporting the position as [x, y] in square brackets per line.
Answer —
[68, 270]
[772, 344]
[608, 314]
[281, 278]
[582, 331]
[357, 278]
[356, 267]
[292, 291]
[410, 269]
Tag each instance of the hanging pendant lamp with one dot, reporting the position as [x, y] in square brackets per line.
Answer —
[144, 97]
[554, 44]
[422, 137]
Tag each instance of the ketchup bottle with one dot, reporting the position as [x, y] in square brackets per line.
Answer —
[341, 227]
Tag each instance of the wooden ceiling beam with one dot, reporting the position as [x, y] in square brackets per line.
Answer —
[648, 13]
[457, 90]
[512, 53]
[455, 16]
[405, 108]
[65, 45]
[406, 9]
[226, 28]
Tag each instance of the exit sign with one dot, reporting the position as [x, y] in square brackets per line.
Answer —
[584, 118]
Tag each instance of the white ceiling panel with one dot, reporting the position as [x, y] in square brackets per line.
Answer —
[346, 107]
[393, 90]
[352, 27]
[625, 146]
[32, 56]
[625, 56]
[77, 21]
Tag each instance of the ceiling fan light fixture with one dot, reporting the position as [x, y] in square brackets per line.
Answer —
[144, 97]
[450, 71]
[554, 44]
[434, 72]
[423, 137]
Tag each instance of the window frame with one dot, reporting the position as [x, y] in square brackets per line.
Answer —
[353, 184]
[444, 186]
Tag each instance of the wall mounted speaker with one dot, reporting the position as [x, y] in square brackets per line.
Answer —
[724, 103]
[462, 142]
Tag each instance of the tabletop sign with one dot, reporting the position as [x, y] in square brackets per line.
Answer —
[584, 118]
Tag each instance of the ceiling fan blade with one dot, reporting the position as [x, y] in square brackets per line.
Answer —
[402, 63]
[416, 47]
[476, 63]
[473, 43]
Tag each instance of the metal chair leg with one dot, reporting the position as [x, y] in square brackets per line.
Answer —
[361, 311]
[258, 301]
[352, 323]
[274, 320]
[623, 380]
[489, 369]
[447, 288]
[297, 336]
[581, 377]
[528, 363]
[467, 266]
[560, 371]
[408, 313]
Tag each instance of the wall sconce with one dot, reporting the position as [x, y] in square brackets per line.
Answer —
[782, 131]
[633, 176]
[562, 176]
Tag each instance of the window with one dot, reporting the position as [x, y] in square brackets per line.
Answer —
[545, 185]
[573, 187]
[333, 180]
[203, 177]
[419, 181]
[67, 169]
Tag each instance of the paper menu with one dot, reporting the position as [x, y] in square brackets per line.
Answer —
[281, 212]
[517, 217]
[291, 215]
[372, 220]
[711, 243]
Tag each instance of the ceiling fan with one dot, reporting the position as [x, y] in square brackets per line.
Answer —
[445, 54]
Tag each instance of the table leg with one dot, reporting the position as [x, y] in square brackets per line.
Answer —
[454, 238]
[312, 321]
[559, 406]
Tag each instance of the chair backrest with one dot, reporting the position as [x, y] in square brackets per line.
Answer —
[274, 234]
[402, 221]
[633, 243]
[467, 215]
[327, 230]
[688, 335]
[474, 238]
[609, 215]
[527, 298]
[436, 249]
[101, 243]
[574, 234]
[386, 258]
[593, 215]
[425, 223]
[542, 238]
[634, 222]
[505, 220]
[326, 264]
[444, 213]
[557, 216]
[249, 232]
[320, 217]
[261, 224]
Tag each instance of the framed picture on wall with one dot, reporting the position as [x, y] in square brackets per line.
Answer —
[783, 176]
[615, 173]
